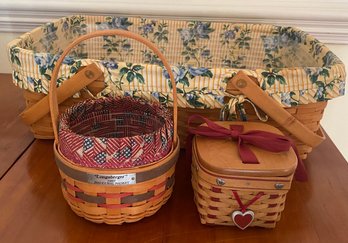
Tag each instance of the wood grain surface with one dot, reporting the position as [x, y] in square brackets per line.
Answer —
[14, 135]
[33, 209]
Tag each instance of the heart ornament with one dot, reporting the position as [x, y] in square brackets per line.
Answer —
[243, 220]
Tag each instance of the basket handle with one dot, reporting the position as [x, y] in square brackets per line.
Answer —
[248, 87]
[53, 89]
[70, 87]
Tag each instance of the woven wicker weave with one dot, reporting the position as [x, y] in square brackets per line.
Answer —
[215, 203]
[117, 204]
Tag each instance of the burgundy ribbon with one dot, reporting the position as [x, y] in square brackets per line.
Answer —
[244, 207]
[265, 140]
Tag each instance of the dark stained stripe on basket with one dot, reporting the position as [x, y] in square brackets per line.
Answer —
[170, 182]
[147, 195]
[145, 176]
[125, 200]
[137, 198]
[90, 199]
[91, 178]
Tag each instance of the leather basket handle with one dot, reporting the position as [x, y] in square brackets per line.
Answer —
[249, 88]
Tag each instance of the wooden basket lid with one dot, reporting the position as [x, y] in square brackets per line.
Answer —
[221, 155]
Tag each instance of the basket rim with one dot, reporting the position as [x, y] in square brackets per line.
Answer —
[172, 153]
[113, 152]
[67, 129]
[299, 75]
[16, 42]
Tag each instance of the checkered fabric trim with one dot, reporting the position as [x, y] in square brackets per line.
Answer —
[115, 132]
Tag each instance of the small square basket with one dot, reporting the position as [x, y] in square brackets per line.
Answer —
[222, 182]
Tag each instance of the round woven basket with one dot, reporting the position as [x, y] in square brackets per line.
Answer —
[98, 195]
[115, 195]
[115, 132]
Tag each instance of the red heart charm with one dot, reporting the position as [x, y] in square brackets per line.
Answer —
[242, 220]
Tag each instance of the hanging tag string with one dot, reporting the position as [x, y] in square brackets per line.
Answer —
[265, 140]
[244, 207]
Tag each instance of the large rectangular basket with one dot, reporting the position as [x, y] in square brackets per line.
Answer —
[291, 66]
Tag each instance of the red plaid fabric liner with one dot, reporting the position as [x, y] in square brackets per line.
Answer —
[115, 132]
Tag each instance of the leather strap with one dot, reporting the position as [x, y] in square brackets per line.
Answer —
[273, 109]
[70, 87]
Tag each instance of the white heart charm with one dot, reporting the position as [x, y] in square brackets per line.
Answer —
[242, 220]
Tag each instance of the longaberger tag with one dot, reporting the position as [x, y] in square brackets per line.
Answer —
[112, 179]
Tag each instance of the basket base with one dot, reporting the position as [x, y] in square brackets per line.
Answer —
[114, 219]
[112, 204]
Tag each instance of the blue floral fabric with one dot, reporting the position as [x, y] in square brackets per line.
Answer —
[290, 65]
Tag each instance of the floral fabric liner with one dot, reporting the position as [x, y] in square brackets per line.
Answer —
[292, 66]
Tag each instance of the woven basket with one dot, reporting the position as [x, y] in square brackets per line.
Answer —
[99, 195]
[215, 203]
[292, 67]
[114, 195]
[310, 115]
[115, 132]
[214, 186]
[42, 129]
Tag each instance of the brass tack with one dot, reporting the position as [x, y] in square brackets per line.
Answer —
[241, 83]
[279, 185]
[220, 182]
[89, 74]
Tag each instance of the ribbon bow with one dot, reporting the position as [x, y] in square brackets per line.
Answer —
[264, 140]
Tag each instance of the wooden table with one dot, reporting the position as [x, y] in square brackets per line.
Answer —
[32, 208]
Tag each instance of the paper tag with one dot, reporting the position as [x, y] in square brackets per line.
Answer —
[112, 179]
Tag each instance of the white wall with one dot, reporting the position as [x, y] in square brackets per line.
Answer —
[4, 39]
[336, 114]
